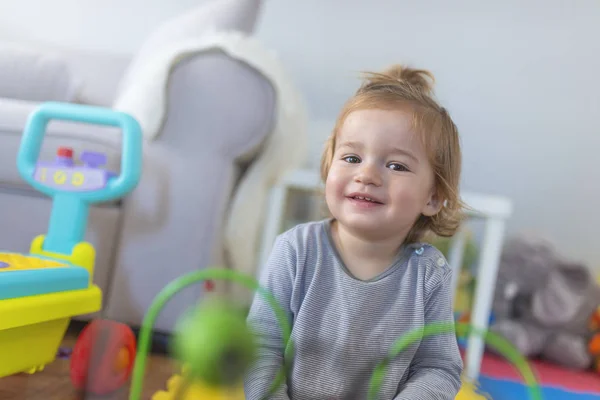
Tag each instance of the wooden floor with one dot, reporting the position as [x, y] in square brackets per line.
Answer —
[54, 384]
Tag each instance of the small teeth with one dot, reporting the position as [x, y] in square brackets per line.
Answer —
[364, 198]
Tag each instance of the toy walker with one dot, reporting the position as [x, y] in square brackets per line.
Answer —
[41, 291]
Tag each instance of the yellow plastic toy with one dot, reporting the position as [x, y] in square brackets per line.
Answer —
[469, 391]
[41, 291]
[198, 390]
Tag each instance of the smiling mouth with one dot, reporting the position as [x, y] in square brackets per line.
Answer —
[364, 199]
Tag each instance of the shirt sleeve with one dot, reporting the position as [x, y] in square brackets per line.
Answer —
[277, 277]
[435, 372]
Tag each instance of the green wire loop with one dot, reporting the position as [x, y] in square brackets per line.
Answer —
[461, 329]
[181, 283]
[497, 342]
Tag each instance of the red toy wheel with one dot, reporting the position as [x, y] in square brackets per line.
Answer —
[102, 358]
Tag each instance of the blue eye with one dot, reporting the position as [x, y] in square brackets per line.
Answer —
[397, 167]
[351, 159]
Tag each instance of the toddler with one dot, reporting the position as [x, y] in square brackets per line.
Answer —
[352, 284]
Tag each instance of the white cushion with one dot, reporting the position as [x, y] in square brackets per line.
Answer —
[35, 75]
[100, 72]
[217, 15]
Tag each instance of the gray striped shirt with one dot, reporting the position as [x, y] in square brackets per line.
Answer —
[343, 327]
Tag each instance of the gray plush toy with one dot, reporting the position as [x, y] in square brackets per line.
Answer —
[543, 302]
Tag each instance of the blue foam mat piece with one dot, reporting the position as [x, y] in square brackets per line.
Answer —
[500, 389]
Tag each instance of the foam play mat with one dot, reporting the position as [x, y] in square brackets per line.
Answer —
[499, 389]
[501, 381]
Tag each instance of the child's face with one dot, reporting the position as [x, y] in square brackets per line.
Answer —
[378, 156]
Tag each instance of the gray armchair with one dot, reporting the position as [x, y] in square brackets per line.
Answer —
[220, 112]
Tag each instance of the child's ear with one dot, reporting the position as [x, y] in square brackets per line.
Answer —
[434, 205]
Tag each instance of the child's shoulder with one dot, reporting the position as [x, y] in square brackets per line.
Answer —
[429, 257]
[305, 233]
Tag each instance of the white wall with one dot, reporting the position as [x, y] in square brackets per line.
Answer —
[521, 78]
[118, 26]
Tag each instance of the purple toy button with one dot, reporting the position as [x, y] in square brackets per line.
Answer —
[4, 264]
[92, 159]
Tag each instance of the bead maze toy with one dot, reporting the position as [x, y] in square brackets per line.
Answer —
[215, 347]
[41, 291]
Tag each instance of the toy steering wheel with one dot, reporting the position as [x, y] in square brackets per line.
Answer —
[497, 342]
[74, 188]
[131, 154]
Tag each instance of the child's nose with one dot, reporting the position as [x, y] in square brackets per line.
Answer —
[368, 174]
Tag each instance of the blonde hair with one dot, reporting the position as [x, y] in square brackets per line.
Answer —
[400, 86]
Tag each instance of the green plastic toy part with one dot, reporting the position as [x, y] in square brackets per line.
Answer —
[213, 340]
[196, 326]
[215, 343]
[501, 345]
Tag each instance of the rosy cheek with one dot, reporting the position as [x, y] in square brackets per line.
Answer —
[332, 178]
[404, 194]
[330, 184]
[332, 189]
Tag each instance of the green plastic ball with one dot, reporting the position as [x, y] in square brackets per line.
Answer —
[215, 343]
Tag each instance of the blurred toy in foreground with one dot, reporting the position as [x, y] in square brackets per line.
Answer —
[469, 391]
[102, 358]
[594, 341]
[216, 344]
[216, 348]
[197, 390]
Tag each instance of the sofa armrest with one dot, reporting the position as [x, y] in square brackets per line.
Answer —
[220, 111]
[14, 114]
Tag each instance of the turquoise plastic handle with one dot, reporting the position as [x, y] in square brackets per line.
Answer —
[131, 155]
